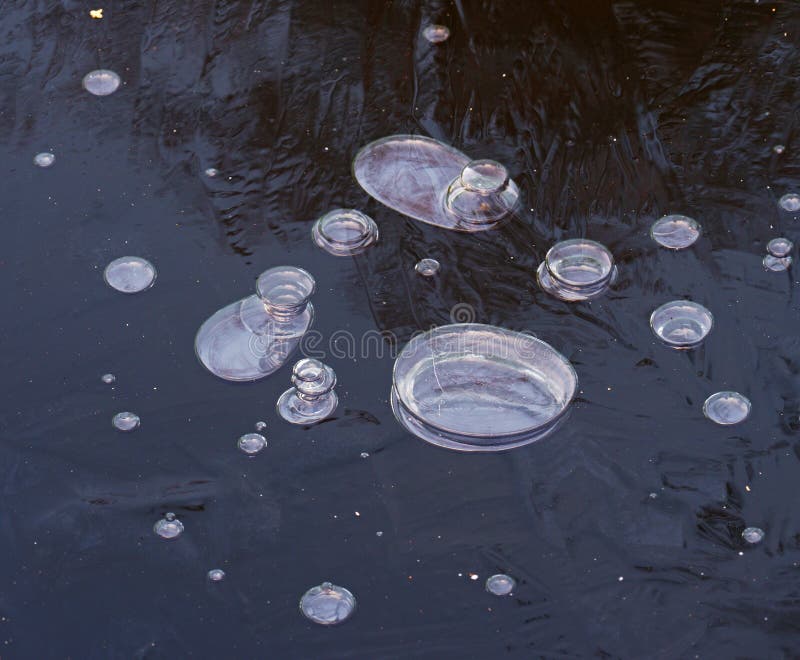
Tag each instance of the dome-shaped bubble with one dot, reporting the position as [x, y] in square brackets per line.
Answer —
[101, 82]
[753, 535]
[727, 408]
[216, 575]
[681, 324]
[130, 274]
[500, 584]
[344, 232]
[252, 443]
[422, 179]
[473, 387]
[577, 269]
[44, 159]
[169, 527]
[327, 604]
[481, 195]
[260, 426]
[108, 378]
[675, 232]
[790, 202]
[427, 267]
[780, 247]
[776, 264]
[436, 34]
[126, 421]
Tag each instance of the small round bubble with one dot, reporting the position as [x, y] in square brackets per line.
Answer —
[327, 604]
[169, 527]
[436, 34]
[130, 274]
[681, 323]
[779, 149]
[211, 172]
[780, 247]
[753, 535]
[260, 426]
[252, 443]
[101, 82]
[427, 267]
[108, 378]
[216, 575]
[776, 264]
[500, 584]
[126, 421]
[44, 159]
[727, 408]
[675, 232]
[790, 202]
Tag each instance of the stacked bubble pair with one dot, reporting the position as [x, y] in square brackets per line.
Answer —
[253, 337]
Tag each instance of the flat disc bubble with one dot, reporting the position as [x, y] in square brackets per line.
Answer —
[436, 34]
[421, 178]
[44, 159]
[780, 247]
[790, 202]
[344, 232]
[675, 232]
[169, 527]
[427, 267]
[474, 387]
[328, 604]
[681, 323]
[126, 421]
[776, 264]
[727, 408]
[753, 535]
[101, 82]
[252, 443]
[130, 274]
[500, 584]
[216, 575]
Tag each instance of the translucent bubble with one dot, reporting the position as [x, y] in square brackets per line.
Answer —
[780, 247]
[252, 443]
[44, 159]
[169, 527]
[753, 535]
[327, 604]
[364, 454]
[344, 232]
[776, 264]
[312, 398]
[436, 34]
[130, 274]
[576, 269]
[779, 149]
[101, 82]
[681, 323]
[727, 408]
[500, 584]
[675, 232]
[427, 267]
[481, 194]
[211, 172]
[260, 426]
[474, 387]
[108, 378]
[126, 421]
[790, 202]
[216, 575]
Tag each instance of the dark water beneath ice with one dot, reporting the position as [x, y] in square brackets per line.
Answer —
[607, 115]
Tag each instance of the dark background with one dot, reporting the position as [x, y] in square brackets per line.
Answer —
[608, 115]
